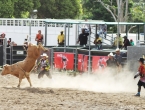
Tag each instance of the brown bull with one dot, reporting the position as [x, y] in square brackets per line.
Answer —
[23, 68]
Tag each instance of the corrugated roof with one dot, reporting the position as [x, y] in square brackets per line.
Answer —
[69, 21]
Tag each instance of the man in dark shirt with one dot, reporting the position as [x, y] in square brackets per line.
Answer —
[83, 38]
[126, 42]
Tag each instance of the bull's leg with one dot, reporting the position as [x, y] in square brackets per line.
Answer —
[28, 78]
[20, 79]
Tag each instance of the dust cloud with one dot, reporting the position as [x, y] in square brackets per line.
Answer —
[105, 81]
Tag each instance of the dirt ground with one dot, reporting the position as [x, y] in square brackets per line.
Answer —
[49, 97]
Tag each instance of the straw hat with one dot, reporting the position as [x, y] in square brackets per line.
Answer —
[44, 55]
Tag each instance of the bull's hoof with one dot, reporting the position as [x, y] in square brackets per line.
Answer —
[18, 86]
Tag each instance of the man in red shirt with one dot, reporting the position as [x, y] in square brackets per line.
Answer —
[141, 73]
[39, 37]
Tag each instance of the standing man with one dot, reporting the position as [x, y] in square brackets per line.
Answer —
[119, 40]
[83, 38]
[60, 39]
[103, 30]
[87, 27]
[126, 42]
[39, 37]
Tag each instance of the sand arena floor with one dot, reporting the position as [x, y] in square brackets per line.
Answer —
[61, 93]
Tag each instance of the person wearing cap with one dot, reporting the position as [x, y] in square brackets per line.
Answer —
[98, 42]
[118, 59]
[141, 73]
[111, 61]
[44, 65]
[60, 39]
[83, 38]
[119, 40]
[126, 42]
[39, 37]
[131, 42]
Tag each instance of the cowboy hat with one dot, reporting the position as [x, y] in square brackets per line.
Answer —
[117, 49]
[44, 55]
[110, 54]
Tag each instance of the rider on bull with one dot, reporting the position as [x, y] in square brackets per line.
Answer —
[45, 66]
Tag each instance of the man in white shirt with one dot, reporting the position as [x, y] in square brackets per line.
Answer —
[103, 29]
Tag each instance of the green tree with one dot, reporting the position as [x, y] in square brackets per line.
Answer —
[23, 7]
[6, 8]
[110, 10]
[59, 9]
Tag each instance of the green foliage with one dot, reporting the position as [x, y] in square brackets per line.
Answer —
[6, 8]
[24, 6]
[59, 9]
[138, 11]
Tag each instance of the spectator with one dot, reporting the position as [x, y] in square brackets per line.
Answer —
[39, 37]
[103, 29]
[131, 42]
[25, 46]
[98, 42]
[14, 44]
[60, 39]
[2, 36]
[111, 61]
[119, 40]
[83, 38]
[126, 42]
[8, 43]
[87, 27]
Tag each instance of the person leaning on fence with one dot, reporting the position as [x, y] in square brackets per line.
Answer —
[2, 36]
[98, 42]
[39, 37]
[131, 42]
[45, 66]
[60, 39]
[118, 40]
[83, 38]
[141, 73]
[126, 42]
[8, 43]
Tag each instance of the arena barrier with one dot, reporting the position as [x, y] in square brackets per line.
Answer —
[78, 59]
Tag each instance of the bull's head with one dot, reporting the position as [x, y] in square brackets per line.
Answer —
[34, 50]
[41, 46]
[5, 70]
